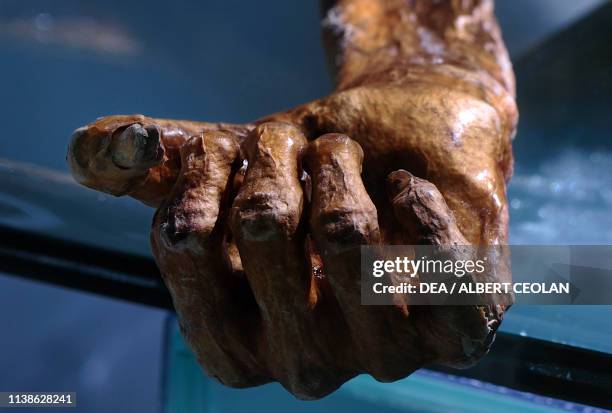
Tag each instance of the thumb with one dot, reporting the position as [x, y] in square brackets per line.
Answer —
[135, 155]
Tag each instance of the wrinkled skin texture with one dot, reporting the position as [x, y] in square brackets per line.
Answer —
[413, 147]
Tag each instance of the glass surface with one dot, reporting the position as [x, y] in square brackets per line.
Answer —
[186, 389]
[54, 339]
[561, 192]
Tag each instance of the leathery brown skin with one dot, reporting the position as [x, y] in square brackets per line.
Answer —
[413, 147]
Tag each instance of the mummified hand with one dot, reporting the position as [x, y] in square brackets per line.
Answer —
[413, 147]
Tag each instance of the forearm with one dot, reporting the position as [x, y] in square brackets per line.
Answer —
[369, 36]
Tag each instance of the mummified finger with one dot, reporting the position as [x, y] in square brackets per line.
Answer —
[265, 220]
[342, 219]
[135, 155]
[459, 335]
[217, 313]
[421, 210]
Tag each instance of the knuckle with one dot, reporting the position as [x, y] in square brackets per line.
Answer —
[193, 146]
[221, 142]
[182, 230]
[332, 142]
[268, 130]
[275, 137]
[213, 143]
[264, 217]
[346, 226]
